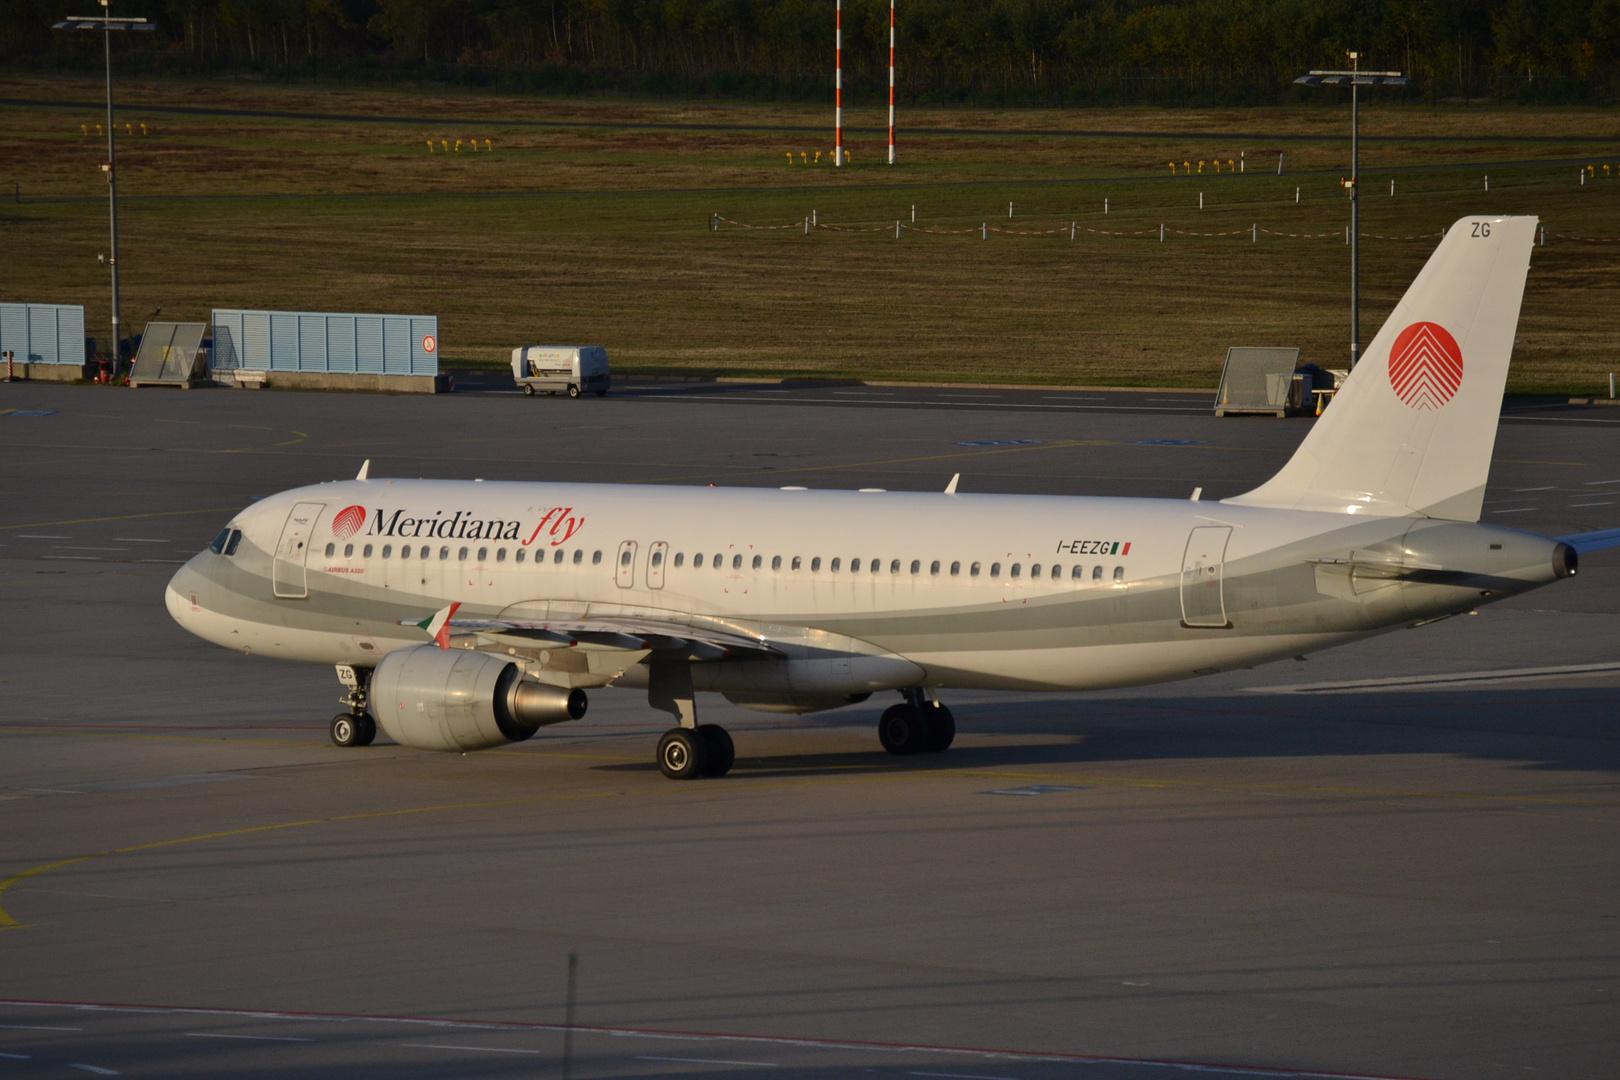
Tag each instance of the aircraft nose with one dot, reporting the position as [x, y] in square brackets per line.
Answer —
[183, 592]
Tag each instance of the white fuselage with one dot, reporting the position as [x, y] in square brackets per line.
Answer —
[992, 591]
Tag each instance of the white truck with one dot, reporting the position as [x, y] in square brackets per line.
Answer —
[575, 368]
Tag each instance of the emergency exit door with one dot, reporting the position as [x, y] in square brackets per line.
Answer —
[1203, 601]
[287, 568]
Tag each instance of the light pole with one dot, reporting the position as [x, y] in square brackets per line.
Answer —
[108, 26]
[1355, 79]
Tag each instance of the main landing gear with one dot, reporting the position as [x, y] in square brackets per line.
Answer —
[918, 725]
[688, 753]
[355, 727]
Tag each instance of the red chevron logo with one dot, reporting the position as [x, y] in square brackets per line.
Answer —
[1425, 366]
[348, 522]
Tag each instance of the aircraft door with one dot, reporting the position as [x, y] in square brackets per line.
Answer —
[625, 570]
[287, 568]
[656, 558]
[1202, 570]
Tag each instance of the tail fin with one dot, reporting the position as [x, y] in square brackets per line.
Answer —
[1411, 430]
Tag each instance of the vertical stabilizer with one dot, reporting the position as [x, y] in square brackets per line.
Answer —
[1412, 429]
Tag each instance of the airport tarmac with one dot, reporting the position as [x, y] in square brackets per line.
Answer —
[1394, 859]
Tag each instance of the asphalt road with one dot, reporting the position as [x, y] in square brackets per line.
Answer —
[1395, 859]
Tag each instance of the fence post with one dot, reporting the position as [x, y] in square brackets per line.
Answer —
[985, 229]
[1161, 233]
[1256, 232]
[897, 228]
[1071, 232]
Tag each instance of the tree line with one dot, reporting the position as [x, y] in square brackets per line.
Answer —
[1063, 51]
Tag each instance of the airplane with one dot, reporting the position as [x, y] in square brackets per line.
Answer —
[464, 615]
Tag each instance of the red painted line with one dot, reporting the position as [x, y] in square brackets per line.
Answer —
[715, 1036]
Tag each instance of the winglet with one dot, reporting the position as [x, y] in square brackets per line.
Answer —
[950, 488]
[364, 469]
[438, 626]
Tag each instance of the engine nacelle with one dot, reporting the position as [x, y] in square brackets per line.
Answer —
[459, 699]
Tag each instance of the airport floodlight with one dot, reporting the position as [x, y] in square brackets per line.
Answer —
[1355, 79]
[109, 25]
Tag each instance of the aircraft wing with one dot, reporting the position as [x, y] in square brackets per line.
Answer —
[621, 632]
[1591, 541]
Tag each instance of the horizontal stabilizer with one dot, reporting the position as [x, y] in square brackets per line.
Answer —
[1591, 541]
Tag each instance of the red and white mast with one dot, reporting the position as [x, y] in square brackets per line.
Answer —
[891, 82]
[838, 89]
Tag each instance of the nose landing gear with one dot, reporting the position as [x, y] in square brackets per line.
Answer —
[355, 727]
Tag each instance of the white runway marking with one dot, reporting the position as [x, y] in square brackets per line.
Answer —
[97, 1069]
[1576, 506]
[962, 1076]
[711, 1061]
[35, 1027]
[256, 1038]
[40, 536]
[1595, 483]
[484, 1049]
[139, 540]
[77, 558]
[1419, 682]
[15, 1057]
[1520, 510]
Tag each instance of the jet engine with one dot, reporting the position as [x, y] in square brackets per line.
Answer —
[459, 699]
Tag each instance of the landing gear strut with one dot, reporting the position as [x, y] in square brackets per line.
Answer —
[693, 749]
[918, 725]
[355, 727]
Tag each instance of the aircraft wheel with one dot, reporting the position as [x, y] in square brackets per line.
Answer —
[682, 754]
[720, 750]
[942, 728]
[573, 390]
[367, 732]
[345, 729]
[528, 391]
[904, 730]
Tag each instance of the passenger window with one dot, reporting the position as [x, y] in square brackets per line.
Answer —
[759, 560]
[500, 554]
[933, 567]
[974, 572]
[461, 556]
[658, 558]
[833, 566]
[1096, 573]
[423, 552]
[1078, 573]
[624, 557]
[483, 554]
[405, 552]
[680, 557]
[1119, 573]
[579, 556]
[916, 566]
[995, 569]
[1016, 570]
[388, 551]
[776, 562]
[877, 566]
[798, 562]
[444, 554]
[218, 546]
[956, 569]
[366, 552]
[718, 562]
[736, 562]
[519, 555]
[854, 566]
[596, 558]
[894, 566]
[348, 551]
[1057, 571]
[697, 560]
[557, 558]
[236, 538]
[1035, 571]
[815, 564]
[331, 549]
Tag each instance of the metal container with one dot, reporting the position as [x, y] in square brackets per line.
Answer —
[324, 342]
[43, 333]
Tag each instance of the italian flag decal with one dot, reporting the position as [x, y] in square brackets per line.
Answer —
[438, 626]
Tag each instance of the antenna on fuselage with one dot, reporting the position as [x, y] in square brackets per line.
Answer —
[364, 469]
[950, 488]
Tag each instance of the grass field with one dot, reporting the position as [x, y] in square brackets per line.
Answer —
[588, 221]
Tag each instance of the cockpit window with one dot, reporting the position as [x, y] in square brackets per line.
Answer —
[236, 538]
[218, 546]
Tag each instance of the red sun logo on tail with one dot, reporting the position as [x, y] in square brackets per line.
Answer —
[1425, 365]
[348, 521]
